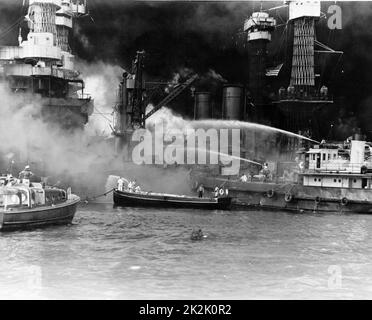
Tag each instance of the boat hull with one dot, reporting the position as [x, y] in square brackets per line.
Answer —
[274, 196]
[129, 199]
[59, 214]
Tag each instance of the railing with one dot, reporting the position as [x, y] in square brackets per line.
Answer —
[338, 168]
[84, 96]
[304, 96]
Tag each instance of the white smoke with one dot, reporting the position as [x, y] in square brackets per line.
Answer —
[168, 119]
[25, 134]
[101, 81]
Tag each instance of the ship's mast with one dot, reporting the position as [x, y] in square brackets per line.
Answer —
[259, 27]
[50, 22]
[303, 101]
[43, 64]
[303, 14]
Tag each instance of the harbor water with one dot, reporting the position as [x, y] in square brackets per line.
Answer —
[134, 253]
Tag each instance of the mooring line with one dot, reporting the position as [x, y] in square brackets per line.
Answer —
[86, 200]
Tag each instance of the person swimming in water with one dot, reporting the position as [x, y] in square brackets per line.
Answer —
[197, 235]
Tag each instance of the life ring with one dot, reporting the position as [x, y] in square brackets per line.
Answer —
[221, 192]
[344, 201]
[317, 200]
[270, 193]
[288, 197]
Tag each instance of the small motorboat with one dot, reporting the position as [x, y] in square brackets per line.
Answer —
[130, 198]
[28, 205]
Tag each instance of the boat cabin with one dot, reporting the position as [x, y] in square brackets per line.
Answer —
[21, 196]
[351, 158]
[334, 180]
[338, 166]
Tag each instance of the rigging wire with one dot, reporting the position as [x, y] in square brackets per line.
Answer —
[103, 114]
[11, 27]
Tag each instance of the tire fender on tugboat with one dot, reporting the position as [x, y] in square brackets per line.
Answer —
[288, 197]
[344, 201]
[270, 193]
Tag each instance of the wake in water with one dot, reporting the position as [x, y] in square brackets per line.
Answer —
[234, 124]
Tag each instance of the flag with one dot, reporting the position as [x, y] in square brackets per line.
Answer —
[274, 71]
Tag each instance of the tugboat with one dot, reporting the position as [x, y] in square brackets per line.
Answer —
[25, 205]
[132, 196]
[330, 177]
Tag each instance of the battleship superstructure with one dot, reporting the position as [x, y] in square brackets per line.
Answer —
[305, 97]
[43, 64]
[291, 94]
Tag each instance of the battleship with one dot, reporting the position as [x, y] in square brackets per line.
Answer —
[268, 98]
[41, 68]
[300, 101]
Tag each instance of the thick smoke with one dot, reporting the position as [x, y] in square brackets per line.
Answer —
[101, 81]
[76, 159]
[24, 133]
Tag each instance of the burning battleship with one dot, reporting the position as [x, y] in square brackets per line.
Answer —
[293, 103]
[42, 65]
[326, 177]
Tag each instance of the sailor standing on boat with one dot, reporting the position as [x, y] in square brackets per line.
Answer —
[201, 191]
[120, 184]
[132, 185]
[26, 173]
[9, 180]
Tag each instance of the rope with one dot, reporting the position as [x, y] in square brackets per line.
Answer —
[10, 28]
[98, 196]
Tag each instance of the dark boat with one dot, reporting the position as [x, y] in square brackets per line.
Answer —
[29, 206]
[150, 199]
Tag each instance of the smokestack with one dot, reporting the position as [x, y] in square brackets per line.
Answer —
[232, 102]
[357, 154]
[202, 105]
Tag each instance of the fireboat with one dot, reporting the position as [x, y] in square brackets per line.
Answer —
[328, 177]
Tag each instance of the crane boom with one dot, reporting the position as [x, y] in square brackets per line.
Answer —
[171, 96]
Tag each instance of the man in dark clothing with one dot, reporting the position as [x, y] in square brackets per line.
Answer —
[201, 191]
